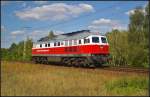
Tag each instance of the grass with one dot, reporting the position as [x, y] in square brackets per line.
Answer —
[127, 87]
[36, 79]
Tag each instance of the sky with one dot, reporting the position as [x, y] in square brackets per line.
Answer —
[34, 19]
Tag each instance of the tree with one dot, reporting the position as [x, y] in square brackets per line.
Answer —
[146, 24]
[118, 47]
[138, 39]
[51, 35]
[28, 52]
[4, 54]
[13, 51]
[131, 47]
[136, 25]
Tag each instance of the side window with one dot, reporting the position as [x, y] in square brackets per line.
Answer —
[75, 42]
[95, 39]
[55, 43]
[34, 45]
[58, 44]
[48, 44]
[79, 41]
[66, 43]
[62, 43]
[103, 40]
[70, 42]
[86, 40]
[40, 45]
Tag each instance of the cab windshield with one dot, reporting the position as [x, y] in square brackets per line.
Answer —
[103, 40]
[95, 39]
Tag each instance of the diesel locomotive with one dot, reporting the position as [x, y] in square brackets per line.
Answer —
[80, 48]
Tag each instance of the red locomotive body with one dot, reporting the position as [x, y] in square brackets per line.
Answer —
[82, 48]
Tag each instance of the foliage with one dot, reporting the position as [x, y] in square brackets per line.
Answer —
[131, 47]
[118, 47]
[19, 52]
[124, 86]
[51, 35]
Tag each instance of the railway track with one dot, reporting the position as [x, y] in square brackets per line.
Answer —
[128, 69]
[114, 68]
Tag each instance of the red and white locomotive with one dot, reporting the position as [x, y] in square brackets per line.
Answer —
[81, 48]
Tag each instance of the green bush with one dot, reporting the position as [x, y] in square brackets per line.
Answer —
[127, 86]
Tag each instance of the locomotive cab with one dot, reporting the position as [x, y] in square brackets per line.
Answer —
[96, 39]
[100, 53]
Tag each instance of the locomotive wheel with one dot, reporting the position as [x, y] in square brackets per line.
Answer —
[64, 61]
[76, 62]
[42, 60]
[69, 62]
[81, 62]
[39, 60]
[34, 60]
[92, 66]
[45, 60]
[85, 63]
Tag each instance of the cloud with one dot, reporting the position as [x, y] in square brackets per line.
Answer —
[102, 21]
[54, 12]
[5, 2]
[132, 11]
[2, 28]
[105, 25]
[37, 34]
[40, 2]
[58, 32]
[34, 34]
[24, 4]
[41, 33]
[17, 32]
[120, 27]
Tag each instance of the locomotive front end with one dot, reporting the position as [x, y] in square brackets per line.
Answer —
[100, 55]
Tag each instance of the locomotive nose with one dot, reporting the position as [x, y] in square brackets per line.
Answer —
[104, 49]
[101, 46]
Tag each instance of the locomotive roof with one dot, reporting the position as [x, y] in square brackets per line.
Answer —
[77, 32]
[68, 36]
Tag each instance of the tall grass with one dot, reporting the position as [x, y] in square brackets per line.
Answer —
[126, 86]
[42, 80]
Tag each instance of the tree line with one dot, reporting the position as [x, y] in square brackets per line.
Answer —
[129, 47]
[21, 51]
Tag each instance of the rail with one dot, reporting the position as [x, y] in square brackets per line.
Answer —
[128, 69]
